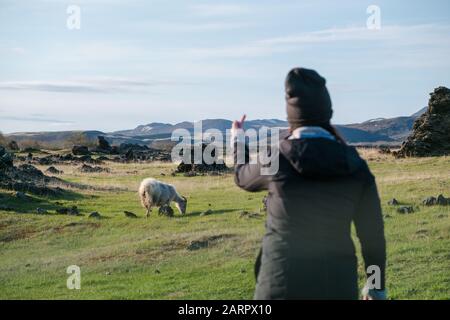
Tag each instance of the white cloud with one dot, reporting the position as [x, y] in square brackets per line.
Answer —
[87, 85]
[180, 27]
[389, 38]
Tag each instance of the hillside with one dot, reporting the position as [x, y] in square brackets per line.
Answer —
[395, 128]
[379, 131]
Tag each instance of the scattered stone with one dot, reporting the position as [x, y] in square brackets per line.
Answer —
[162, 174]
[405, 209]
[442, 201]
[41, 211]
[430, 201]
[107, 273]
[53, 170]
[393, 202]
[165, 211]
[62, 211]
[73, 211]
[95, 214]
[206, 213]
[88, 169]
[431, 131]
[130, 214]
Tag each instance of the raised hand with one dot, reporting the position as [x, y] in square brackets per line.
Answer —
[238, 124]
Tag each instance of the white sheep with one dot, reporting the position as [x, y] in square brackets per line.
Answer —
[154, 193]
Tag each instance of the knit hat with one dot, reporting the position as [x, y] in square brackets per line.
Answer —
[308, 102]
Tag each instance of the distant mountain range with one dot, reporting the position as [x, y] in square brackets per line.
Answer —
[377, 131]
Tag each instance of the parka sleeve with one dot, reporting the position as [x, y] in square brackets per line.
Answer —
[370, 229]
[248, 176]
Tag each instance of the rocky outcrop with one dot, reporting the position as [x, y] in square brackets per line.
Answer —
[431, 131]
[103, 145]
[80, 150]
[25, 177]
[190, 168]
[6, 159]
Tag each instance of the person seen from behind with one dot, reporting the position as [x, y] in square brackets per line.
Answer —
[322, 186]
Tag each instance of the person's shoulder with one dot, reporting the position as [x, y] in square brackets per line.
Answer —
[360, 168]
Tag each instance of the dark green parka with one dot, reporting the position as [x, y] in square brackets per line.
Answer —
[321, 187]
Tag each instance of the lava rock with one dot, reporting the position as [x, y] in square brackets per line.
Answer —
[6, 159]
[41, 211]
[393, 202]
[431, 131]
[88, 169]
[430, 201]
[80, 150]
[53, 170]
[191, 169]
[405, 209]
[62, 211]
[442, 201]
[103, 145]
[73, 211]
[95, 214]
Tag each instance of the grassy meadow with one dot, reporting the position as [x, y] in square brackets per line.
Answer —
[200, 256]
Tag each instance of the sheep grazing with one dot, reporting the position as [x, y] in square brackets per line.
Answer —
[154, 193]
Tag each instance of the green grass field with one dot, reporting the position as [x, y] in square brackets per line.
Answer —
[124, 258]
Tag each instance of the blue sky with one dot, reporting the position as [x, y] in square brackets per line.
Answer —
[134, 62]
